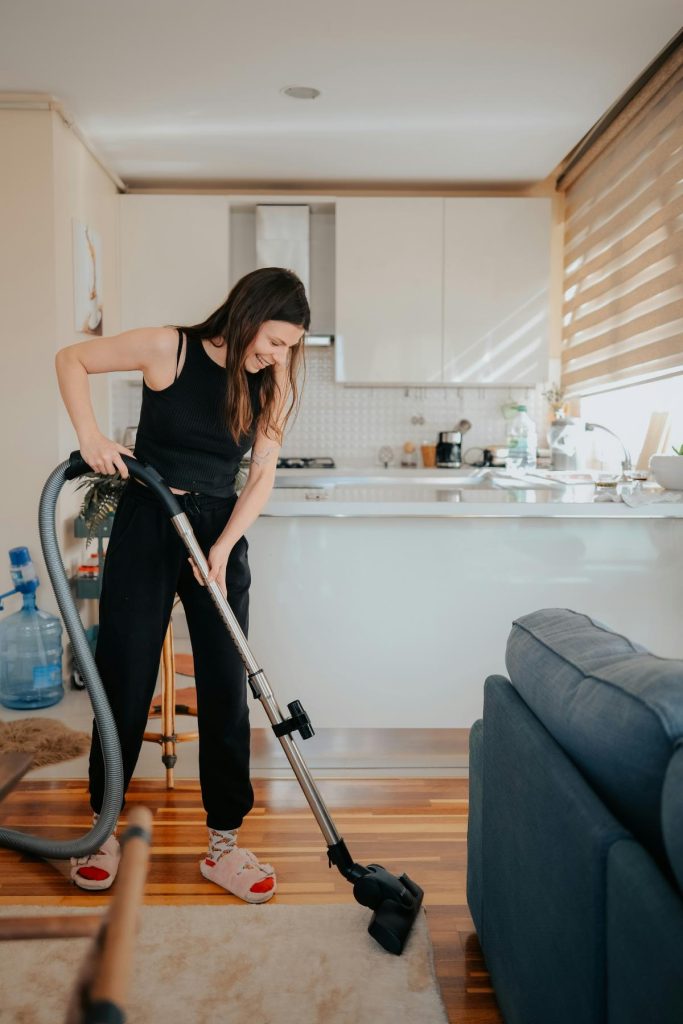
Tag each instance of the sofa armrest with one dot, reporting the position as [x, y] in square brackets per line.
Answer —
[644, 940]
[545, 839]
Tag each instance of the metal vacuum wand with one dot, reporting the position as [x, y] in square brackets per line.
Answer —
[396, 901]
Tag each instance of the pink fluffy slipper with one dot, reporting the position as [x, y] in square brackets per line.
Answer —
[239, 872]
[97, 871]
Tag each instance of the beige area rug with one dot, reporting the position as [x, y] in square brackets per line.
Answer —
[265, 964]
[47, 739]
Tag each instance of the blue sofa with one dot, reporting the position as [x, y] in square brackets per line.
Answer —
[575, 843]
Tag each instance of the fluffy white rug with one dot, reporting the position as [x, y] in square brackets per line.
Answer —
[237, 965]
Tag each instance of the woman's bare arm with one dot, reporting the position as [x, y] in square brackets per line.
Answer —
[149, 349]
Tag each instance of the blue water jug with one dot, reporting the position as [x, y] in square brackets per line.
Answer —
[30, 644]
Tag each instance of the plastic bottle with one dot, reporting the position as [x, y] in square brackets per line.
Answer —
[30, 645]
[522, 441]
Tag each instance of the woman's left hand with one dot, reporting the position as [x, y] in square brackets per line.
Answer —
[218, 563]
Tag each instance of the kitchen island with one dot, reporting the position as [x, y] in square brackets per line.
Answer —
[386, 600]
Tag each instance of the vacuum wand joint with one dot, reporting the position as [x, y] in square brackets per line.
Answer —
[299, 722]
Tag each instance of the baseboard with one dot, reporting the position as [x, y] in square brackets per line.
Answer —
[371, 753]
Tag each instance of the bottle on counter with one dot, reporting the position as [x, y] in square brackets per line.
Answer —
[409, 455]
[522, 441]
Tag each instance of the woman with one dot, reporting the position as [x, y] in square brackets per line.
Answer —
[210, 393]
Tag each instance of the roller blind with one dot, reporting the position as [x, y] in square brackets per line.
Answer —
[623, 267]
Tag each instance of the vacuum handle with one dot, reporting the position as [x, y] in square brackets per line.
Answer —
[140, 470]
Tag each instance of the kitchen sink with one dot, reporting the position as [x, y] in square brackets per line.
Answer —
[385, 479]
[407, 485]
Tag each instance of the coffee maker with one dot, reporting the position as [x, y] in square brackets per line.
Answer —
[449, 449]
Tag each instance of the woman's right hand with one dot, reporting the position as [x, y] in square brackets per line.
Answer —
[104, 455]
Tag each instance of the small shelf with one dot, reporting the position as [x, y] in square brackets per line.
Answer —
[88, 589]
[104, 530]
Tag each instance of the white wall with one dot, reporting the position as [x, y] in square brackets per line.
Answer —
[83, 192]
[28, 399]
[47, 177]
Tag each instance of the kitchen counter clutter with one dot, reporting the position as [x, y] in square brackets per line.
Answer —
[373, 491]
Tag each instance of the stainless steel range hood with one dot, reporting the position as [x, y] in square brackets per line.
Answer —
[282, 239]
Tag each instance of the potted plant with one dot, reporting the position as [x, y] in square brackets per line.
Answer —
[98, 504]
[554, 396]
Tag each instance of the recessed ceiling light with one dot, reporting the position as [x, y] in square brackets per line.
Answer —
[301, 92]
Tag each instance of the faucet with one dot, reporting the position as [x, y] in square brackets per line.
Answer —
[626, 462]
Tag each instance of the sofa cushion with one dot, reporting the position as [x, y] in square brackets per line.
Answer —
[615, 708]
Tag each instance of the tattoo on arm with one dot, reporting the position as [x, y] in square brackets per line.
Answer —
[258, 458]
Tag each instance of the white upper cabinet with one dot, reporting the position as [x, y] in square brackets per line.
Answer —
[174, 258]
[389, 266]
[427, 290]
[496, 290]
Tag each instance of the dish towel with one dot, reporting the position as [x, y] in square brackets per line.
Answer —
[635, 495]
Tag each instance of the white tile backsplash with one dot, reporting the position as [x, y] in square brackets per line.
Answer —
[352, 423]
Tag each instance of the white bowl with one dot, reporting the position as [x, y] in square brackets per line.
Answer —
[668, 471]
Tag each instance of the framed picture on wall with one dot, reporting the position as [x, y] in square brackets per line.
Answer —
[88, 313]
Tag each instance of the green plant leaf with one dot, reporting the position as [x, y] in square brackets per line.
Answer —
[103, 491]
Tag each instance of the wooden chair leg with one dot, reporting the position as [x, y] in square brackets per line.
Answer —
[101, 989]
[112, 975]
[168, 706]
[58, 926]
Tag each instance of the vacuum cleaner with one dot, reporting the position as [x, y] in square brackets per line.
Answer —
[395, 901]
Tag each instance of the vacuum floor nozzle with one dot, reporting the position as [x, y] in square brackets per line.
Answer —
[396, 902]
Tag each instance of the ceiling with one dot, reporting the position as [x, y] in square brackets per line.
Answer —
[430, 93]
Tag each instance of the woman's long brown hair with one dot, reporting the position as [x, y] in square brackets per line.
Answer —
[270, 293]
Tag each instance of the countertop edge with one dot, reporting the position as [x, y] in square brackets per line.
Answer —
[469, 510]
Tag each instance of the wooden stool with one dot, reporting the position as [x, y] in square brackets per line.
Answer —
[171, 702]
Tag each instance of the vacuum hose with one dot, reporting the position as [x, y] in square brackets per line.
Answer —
[111, 748]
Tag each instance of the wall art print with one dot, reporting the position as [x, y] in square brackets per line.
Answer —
[88, 312]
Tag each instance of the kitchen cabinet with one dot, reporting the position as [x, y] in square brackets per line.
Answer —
[452, 291]
[389, 316]
[426, 290]
[174, 258]
[496, 290]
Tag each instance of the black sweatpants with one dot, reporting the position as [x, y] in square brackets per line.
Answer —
[146, 564]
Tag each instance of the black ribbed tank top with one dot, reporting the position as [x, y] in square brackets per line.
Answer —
[182, 431]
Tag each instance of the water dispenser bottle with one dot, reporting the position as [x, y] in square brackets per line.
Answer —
[30, 644]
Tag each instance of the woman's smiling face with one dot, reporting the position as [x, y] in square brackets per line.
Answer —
[271, 345]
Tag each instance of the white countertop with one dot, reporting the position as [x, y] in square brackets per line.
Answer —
[418, 493]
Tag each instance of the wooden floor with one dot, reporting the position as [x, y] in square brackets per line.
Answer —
[412, 825]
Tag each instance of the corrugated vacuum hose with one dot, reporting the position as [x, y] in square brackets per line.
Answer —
[111, 748]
